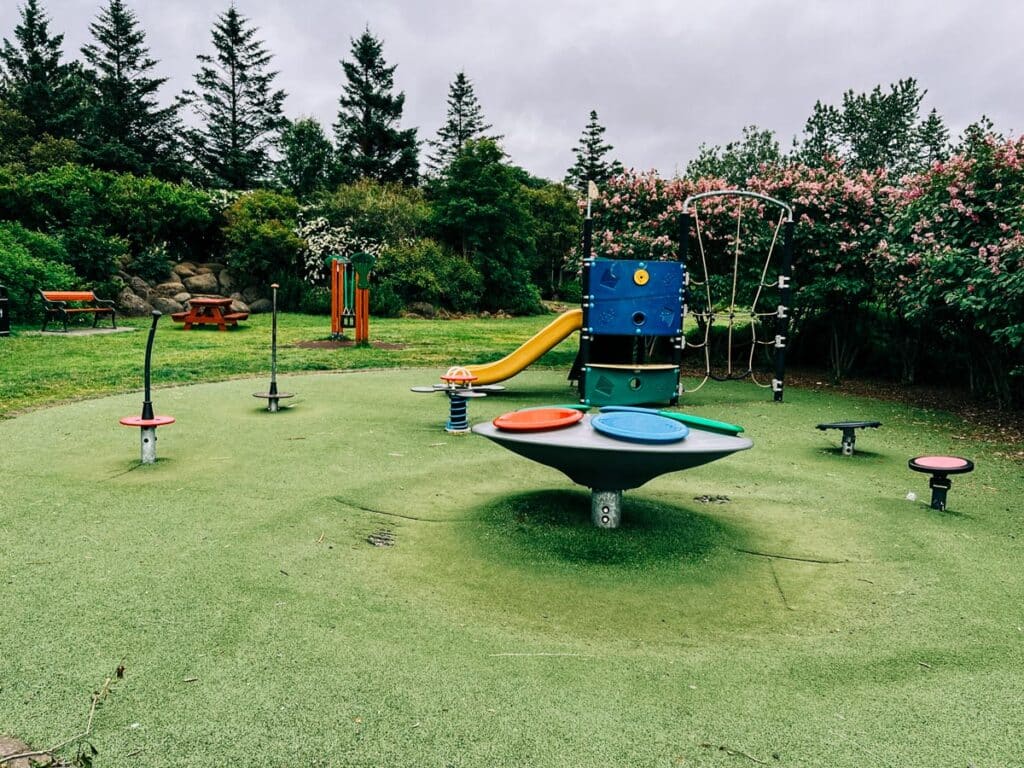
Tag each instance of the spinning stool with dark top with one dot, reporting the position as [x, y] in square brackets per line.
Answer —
[940, 467]
[849, 431]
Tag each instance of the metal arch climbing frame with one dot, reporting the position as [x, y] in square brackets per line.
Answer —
[691, 215]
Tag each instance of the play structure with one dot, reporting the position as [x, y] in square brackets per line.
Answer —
[148, 422]
[849, 430]
[350, 296]
[272, 396]
[632, 312]
[614, 451]
[940, 468]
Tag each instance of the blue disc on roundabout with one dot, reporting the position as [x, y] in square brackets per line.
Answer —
[639, 427]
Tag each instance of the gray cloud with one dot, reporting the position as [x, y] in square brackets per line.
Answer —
[664, 76]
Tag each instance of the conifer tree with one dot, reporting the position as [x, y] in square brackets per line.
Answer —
[465, 121]
[240, 112]
[590, 152]
[127, 129]
[368, 140]
[306, 155]
[35, 82]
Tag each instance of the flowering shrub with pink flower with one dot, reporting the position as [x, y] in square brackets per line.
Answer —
[952, 261]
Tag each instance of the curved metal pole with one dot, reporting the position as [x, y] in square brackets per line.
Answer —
[147, 405]
[738, 193]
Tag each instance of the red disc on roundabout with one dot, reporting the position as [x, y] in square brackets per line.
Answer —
[537, 419]
[947, 464]
[138, 421]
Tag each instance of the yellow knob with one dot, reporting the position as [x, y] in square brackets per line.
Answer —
[641, 276]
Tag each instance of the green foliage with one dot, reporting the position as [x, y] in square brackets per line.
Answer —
[260, 238]
[316, 300]
[306, 158]
[876, 130]
[379, 212]
[483, 213]
[369, 141]
[590, 152]
[464, 121]
[152, 263]
[141, 210]
[737, 161]
[421, 270]
[239, 112]
[36, 83]
[30, 261]
[384, 299]
[94, 255]
[126, 128]
[556, 230]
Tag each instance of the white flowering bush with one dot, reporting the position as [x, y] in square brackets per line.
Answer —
[322, 239]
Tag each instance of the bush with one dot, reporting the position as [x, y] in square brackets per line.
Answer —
[382, 213]
[23, 273]
[260, 238]
[384, 299]
[152, 263]
[423, 271]
[316, 301]
[94, 256]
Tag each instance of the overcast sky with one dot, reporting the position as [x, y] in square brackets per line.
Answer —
[663, 76]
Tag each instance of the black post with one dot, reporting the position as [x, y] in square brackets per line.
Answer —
[273, 340]
[782, 319]
[147, 404]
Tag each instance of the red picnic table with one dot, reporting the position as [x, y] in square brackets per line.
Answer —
[209, 311]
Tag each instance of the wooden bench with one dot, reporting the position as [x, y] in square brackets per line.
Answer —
[55, 303]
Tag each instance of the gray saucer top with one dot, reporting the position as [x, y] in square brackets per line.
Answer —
[606, 463]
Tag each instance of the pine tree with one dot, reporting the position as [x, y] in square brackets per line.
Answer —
[590, 158]
[465, 121]
[241, 114]
[35, 82]
[306, 155]
[369, 142]
[127, 129]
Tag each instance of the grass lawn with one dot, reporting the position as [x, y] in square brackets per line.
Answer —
[810, 616]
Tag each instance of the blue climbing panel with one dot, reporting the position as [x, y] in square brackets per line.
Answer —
[634, 298]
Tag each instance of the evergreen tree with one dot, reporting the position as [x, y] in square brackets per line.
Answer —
[739, 160]
[306, 155]
[465, 121]
[369, 142]
[127, 129]
[880, 129]
[241, 114]
[35, 82]
[590, 152]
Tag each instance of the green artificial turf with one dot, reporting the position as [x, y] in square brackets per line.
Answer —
[259, 627]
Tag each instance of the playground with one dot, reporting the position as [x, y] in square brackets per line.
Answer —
[343, 583]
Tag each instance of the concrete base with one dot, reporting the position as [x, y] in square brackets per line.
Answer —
[148, 441]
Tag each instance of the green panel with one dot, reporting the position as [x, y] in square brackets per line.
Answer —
[623, 386]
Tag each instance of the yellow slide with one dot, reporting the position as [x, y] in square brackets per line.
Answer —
[542, 341]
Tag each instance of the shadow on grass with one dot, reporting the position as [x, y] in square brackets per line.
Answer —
[554, 527]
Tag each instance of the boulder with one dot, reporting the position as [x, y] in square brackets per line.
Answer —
[131, 305]
[139, 286]
[226, 283]
[170, 288]
[185, 269]
[201, 283]
[165, 305]
[260, 305]
[239, 306]
[422, 308]
[182, 297]
[251, 293]
[214, 266]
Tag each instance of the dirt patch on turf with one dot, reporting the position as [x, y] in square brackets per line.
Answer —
[12, 746]
[342, 344]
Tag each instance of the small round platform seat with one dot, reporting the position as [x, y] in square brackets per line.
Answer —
[940, 468]
[849, 429]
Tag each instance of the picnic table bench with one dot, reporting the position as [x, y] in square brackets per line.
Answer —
[207, 310]
[56, 305]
